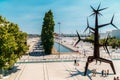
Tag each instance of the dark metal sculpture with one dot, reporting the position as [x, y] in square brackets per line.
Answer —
[95, 31]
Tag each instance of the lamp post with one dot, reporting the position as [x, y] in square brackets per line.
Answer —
[59, 38]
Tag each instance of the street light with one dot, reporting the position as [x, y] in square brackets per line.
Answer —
[59, 38]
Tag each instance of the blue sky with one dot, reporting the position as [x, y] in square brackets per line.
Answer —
[72, 14]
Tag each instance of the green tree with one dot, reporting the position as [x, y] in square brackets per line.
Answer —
[90, 38]
[12, 43]
[47, 36]
[7, 48]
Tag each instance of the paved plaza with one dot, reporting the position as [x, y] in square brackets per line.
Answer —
[37, 66]
[61, 71]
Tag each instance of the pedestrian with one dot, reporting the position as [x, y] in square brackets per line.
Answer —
[117, 78]
[84, 52]
[102, 72]
[100, 62]
[94, 73]
[107, 72]
[75, 62]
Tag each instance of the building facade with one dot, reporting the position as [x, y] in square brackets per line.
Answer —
[113, 33]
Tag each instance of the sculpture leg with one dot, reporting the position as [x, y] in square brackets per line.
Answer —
[89, 60]
[108, 61]
[86, 67]
[112, 66]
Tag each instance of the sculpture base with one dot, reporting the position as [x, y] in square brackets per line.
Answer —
[91, 58]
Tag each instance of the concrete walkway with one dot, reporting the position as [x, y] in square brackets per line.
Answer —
[30, 67]
[61, 71]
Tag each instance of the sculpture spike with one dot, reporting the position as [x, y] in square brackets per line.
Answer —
[104, 48]
[91, 31]
[92, 14]
[87, 26]
[112, 19]
[105, 45]
[112, 23]
[99, 6]
[100, 14]
[115, 26]
[107, 50]
[93, 9]
[86, 29]
[102, 9]
[78, 39]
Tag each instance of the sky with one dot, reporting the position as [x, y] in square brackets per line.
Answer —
[72, 14]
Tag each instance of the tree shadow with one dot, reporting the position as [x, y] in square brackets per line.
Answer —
[14, 69]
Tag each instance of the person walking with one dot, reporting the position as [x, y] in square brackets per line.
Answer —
[84, 53]
[107, 72]
[75, 62]
[94, 73]
[114, 78]
[102, 72]
[117, 78]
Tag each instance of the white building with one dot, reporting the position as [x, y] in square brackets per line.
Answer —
[113, 33]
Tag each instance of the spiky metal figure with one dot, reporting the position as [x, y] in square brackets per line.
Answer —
[95, 31]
